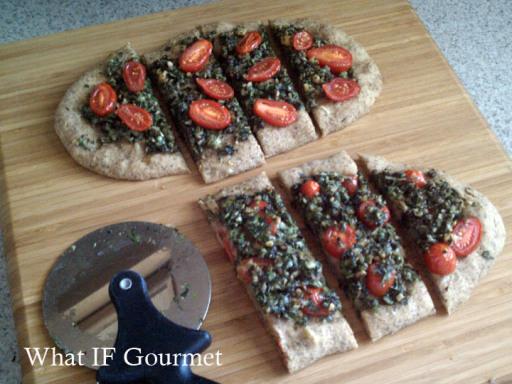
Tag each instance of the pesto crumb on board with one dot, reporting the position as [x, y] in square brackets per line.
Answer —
[271, 255]
[352, 225]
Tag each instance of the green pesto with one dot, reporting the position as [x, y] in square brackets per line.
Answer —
[429, 213]
[279, 288]
[333, 206]
[159, 138]
[310, 74]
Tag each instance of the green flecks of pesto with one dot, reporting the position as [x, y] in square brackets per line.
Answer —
[85, 142]
[487, 255]
[280, 288]
[134, 236]
[334, 206]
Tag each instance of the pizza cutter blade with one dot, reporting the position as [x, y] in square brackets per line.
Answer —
[76, 306]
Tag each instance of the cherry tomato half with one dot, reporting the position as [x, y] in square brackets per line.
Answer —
[337, 58]
[263, 70]
[134, 75]
[466, 236]
[209, 114]
[275, 113]
[340, 89]
[243, 268]
[440, 259]
[351, 185]
[310, 188]
[195, 57]
[134, 117]
[249, 43]
[314, 294]
[216, 89]
[415, 177]
[227, 244]
[375, 283]
[370, 216]
[337, 241]
[302, 40]
[103, 99]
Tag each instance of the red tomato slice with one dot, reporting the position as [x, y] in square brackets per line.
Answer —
[416, 177]
[466, 236]
[375, 283]
[351, 185]
[103, 99]
[302, 40]
[337, 58]
[249, 43]
[134, 117]
[315, 295]
[339, 89]
[227, 244]
[275, 113]
[263, 70]
[216, 89]
[310, 189]
[440, 259]
[195, 57]
[243, 268]
[134, 75]
[209, 114]
[362, 214]
[259, 205]
[337, 241]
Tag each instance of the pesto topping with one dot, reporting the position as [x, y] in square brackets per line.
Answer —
[429, 213]
[180, 90]
[280, 87]
[310, 74]
[334, 206]
[158, 139]
[280, 288]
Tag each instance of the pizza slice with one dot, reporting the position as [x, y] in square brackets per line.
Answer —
[204, 107]
[337, 77]
[281, 276]
[277, 114]
[457, 229]
[361, 245]
[111, 123]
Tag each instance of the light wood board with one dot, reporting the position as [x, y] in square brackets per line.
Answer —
[423, 116]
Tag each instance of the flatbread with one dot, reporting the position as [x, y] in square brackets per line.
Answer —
[333, 116]
[456, 288]
[121, 160]
[299, 346]
[385, 319]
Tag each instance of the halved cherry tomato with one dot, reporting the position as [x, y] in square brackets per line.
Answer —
[263, 70]
[243, 268]
[227, 244]
[249, 43]
[134, 75]
[194, 58]
[466, 236]
[337, 241]
[302, 40]
[259, 205]
[375, 283]
[209, 114]
[340, 89]
[416, 177]
[337, 58]
[134, 117]
[314, 294]
[350, 184]
[370, 218]
[216, 89]
[440, 259]
[310, 188]
[275, 113]
[103, 99]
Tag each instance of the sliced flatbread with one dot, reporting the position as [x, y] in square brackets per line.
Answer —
[120, 159]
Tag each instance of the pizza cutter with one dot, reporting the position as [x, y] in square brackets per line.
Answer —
[130, 285]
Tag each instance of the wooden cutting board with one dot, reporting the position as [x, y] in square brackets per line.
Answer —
[423, 116]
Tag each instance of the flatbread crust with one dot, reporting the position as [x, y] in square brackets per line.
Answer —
[385, 319]
[121, 160]
[213, 167]
[299, 346]
[456, 288]
[331, 116]
[273, 140]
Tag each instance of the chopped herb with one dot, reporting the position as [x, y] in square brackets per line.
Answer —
[134, 236]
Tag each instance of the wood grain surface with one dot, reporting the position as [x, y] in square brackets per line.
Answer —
[423, 116]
